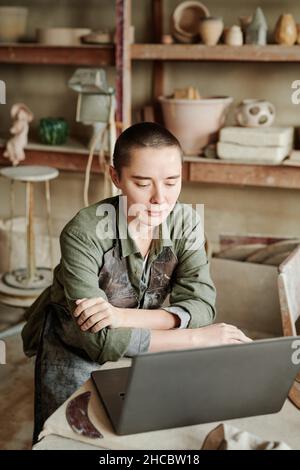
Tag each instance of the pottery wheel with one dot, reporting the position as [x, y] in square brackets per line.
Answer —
[18, 279]
[19, 297]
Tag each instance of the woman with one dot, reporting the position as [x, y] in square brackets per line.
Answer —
[120, 258]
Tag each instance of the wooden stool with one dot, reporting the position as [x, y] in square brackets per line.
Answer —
[32, 279]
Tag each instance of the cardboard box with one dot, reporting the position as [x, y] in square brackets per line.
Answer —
[248, 293]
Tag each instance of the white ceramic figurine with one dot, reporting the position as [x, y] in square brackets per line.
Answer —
[22, 116]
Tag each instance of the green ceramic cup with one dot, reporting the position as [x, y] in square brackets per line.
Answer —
[53, 131]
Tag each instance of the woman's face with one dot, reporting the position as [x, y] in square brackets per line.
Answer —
[151, 183]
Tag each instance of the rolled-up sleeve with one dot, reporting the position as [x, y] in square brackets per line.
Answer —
[80, 261]
[139, 342]
[192, 287]
[182, 314]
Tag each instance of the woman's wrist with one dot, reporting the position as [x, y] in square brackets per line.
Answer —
[196, 337]
[121, 317]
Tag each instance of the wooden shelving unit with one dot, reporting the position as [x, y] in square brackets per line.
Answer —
[57, 55]
[121, 56]
[198, 169]
[69, 157]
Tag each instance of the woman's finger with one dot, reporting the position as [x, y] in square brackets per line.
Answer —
[100, 325]
[89, 312]
[241, 336]
[86, 304]
[92, 320]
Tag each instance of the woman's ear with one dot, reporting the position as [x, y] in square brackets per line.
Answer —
[114, 176]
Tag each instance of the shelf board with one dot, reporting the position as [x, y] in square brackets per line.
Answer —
[208, 171]
[70, 157]
[92, 55]
[222, 53]
[73, 157]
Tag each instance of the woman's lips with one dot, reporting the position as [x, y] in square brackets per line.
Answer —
[155, 213]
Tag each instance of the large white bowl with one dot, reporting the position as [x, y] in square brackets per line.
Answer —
[61, 36]
[13, 22]
[195, 123]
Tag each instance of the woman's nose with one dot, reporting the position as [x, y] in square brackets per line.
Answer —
[158, 196]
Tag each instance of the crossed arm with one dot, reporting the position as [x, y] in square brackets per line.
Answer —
[193, 291]
[97, 313]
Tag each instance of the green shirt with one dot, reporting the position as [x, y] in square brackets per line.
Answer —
[84, 242]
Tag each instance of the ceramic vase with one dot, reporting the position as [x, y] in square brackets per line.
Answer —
[53, 131]
[286, 30]
[234, 36]
[210, 30]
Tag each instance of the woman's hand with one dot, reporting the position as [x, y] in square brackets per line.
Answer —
[97, 313]
[218, 334]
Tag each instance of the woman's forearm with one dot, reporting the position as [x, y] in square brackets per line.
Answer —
[150, 319]
[210, 335]
[172, 339]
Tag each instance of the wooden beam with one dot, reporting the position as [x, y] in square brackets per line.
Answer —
[157, 19]
[123, 62]
[158, 66]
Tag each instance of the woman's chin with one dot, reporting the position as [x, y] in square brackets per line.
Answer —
[152, 219]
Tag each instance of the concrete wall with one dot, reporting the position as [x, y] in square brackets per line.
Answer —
[228, 209]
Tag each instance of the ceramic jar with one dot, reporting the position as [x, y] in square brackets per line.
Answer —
[13, 22]
[210, 30]
[234, 36]
[298, 33]
[286, 30]
[53, 131]
[255, 113]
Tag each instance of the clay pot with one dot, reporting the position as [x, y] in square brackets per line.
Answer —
[298, 33]
[186, 19]
[234, 36]
[195, 123]
[13, 22]
[255, 113]
[286, 30]
[244, 23]
[210, 30]
[167, 39]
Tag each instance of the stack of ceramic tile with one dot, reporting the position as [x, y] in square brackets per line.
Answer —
[269, 145]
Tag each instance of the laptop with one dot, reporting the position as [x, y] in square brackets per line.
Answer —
[180, 388]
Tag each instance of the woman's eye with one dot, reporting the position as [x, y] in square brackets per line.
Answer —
[143, 185]
[170, 184]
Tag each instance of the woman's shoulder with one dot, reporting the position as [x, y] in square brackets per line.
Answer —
[186, 216]
[186, 225]
[85, 223]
